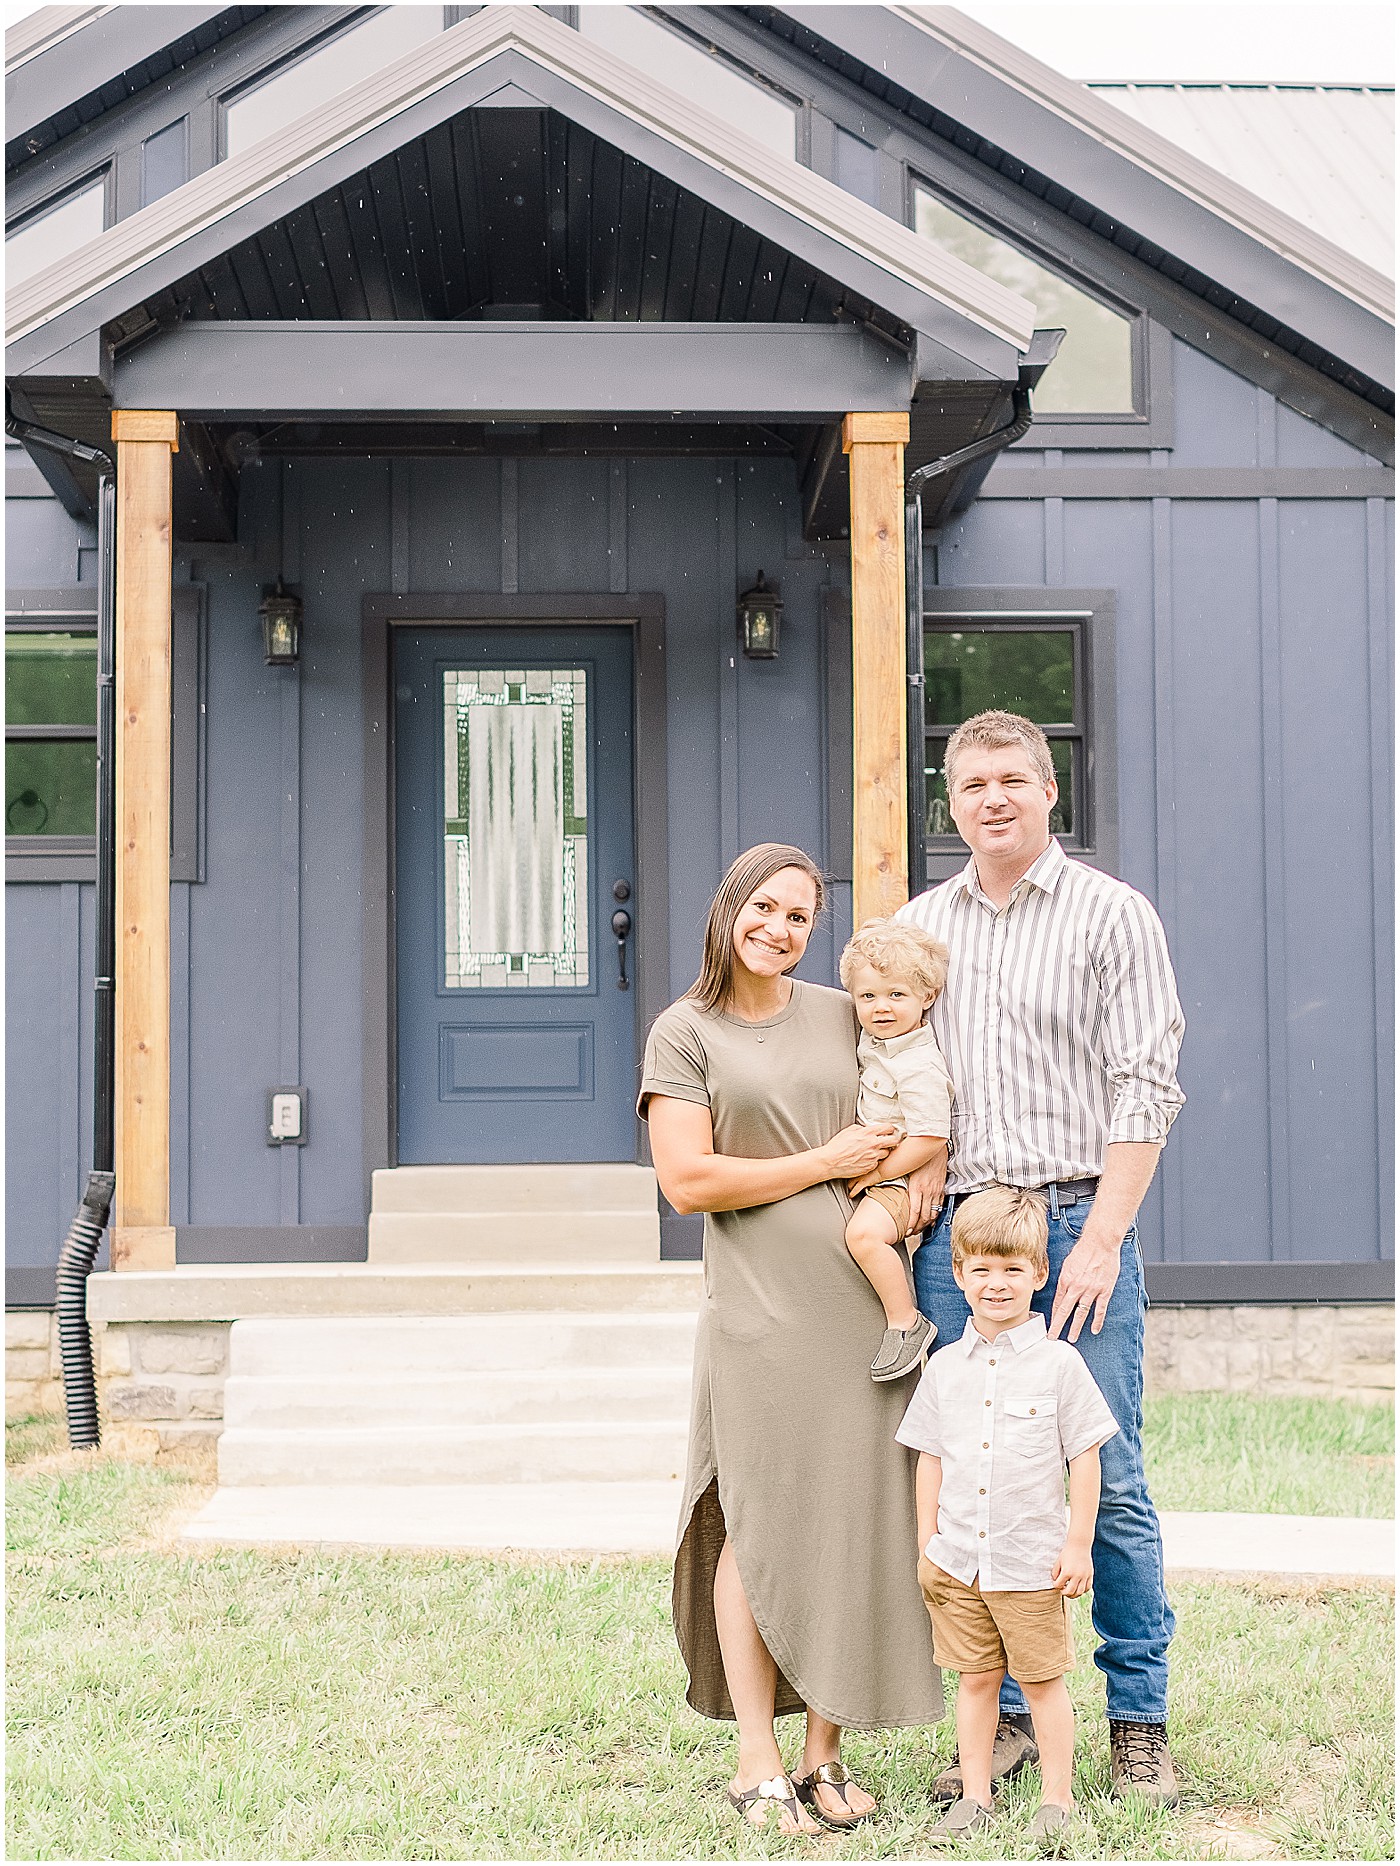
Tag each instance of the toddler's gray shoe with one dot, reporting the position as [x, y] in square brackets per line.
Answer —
[902, 1350]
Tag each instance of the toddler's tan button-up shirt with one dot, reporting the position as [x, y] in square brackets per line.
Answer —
[904, 1082]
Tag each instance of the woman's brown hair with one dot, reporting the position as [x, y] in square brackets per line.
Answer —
[746, 874]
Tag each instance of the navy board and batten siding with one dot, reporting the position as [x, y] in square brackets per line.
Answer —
[1253, 750]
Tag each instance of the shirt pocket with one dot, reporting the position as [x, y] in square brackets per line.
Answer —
[1030, 1425]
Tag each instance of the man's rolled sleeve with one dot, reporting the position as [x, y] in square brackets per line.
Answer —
[1143, 1026]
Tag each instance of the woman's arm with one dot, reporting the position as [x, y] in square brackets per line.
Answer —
[697, 1179]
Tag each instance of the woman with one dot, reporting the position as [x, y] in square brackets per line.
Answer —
[794, 1585]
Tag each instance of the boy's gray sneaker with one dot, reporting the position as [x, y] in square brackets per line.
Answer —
[966, 1816]
[1050, 1827]
[902, 1350]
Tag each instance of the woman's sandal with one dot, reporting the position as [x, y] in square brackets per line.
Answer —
[778, 1794]
[833, 1775]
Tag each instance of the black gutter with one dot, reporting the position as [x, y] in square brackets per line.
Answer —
[90, 1220]
[1038, 358]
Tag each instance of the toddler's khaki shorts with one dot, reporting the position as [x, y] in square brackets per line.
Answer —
[1026, 1634]
[893, 1194]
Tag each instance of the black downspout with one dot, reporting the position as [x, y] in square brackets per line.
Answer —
[90, 1220]
[1032, 369]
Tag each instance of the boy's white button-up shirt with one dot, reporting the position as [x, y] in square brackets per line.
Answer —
[1004, 1417]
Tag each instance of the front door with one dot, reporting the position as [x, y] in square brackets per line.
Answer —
[513, 855]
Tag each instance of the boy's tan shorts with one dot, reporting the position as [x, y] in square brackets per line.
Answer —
[893, 1194]
[1026, 1634]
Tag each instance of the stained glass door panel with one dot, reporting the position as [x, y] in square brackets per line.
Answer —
[513, 823]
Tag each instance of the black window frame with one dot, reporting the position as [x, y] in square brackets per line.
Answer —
[74, 858]
[1149, 423]
[1090, 615]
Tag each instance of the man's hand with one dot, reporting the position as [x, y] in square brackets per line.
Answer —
[1073, 1573]
[1087, 1279]
[1090, 1271]
[926, 1193]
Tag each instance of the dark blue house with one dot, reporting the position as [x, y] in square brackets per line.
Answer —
[501, 350]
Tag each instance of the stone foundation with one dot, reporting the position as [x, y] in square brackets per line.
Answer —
[161, 1384]
[1347, 1352]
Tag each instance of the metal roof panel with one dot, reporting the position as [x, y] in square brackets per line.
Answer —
[1324, 153]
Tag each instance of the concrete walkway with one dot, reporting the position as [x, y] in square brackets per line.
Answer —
[612, 1518]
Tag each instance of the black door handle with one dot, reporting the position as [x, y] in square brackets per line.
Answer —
[621, 926]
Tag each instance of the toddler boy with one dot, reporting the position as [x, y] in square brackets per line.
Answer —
[995, 1419]
[894, 972]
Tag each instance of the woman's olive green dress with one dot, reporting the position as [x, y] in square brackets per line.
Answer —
[792, 1449]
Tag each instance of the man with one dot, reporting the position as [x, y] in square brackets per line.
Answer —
[1061, 1028]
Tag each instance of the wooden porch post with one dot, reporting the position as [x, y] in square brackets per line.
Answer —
[142, 1235]
[875, 445]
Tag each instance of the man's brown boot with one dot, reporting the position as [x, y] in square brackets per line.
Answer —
[1139, 1763]
[1013, 1749]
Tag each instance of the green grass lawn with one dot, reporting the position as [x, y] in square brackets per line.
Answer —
[247, 1705]
[1287, 1457]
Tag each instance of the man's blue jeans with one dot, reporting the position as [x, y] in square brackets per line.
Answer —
[1130, 1611]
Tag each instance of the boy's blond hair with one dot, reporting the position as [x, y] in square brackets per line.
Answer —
[1003, 1221]
[898, 950]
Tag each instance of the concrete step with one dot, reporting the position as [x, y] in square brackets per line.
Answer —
[620, 1452]
[269, 1402]
[581, 1236]
[552, 1188]
[226, 1291]
[345, 1348]
[581, 1518]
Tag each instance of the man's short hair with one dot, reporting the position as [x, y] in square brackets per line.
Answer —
[989, 731]
[898, 950]
[1003, 1221]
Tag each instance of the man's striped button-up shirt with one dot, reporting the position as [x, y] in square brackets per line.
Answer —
[1060, 1022]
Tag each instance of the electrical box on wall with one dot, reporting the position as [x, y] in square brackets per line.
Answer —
[286, 1117]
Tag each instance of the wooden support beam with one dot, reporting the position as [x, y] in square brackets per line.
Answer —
[880, 872]
[142, 1236]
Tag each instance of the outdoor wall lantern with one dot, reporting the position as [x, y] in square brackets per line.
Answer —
[281, 624]
[760, 616]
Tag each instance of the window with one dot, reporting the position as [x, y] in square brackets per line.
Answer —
[1047, 654]
[314, 79]
[51, 729]
[55, 231]
[687, 68]
[1094, 371]
[1029, 667]
[51, 734]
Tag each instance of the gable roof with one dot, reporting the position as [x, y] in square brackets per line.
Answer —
[541, 61]
[1323, 153]
[1064, 144]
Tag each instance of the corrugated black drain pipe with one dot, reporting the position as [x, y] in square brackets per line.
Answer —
[75, 1260]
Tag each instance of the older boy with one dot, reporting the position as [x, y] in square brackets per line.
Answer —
[996, 1418]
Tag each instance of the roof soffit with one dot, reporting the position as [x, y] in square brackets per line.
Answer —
[858, 246]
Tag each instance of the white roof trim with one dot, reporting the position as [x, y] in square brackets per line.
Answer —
[1157, 156]
[819, 203]
[44, 29]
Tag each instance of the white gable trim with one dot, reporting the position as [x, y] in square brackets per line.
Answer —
[221, 191]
